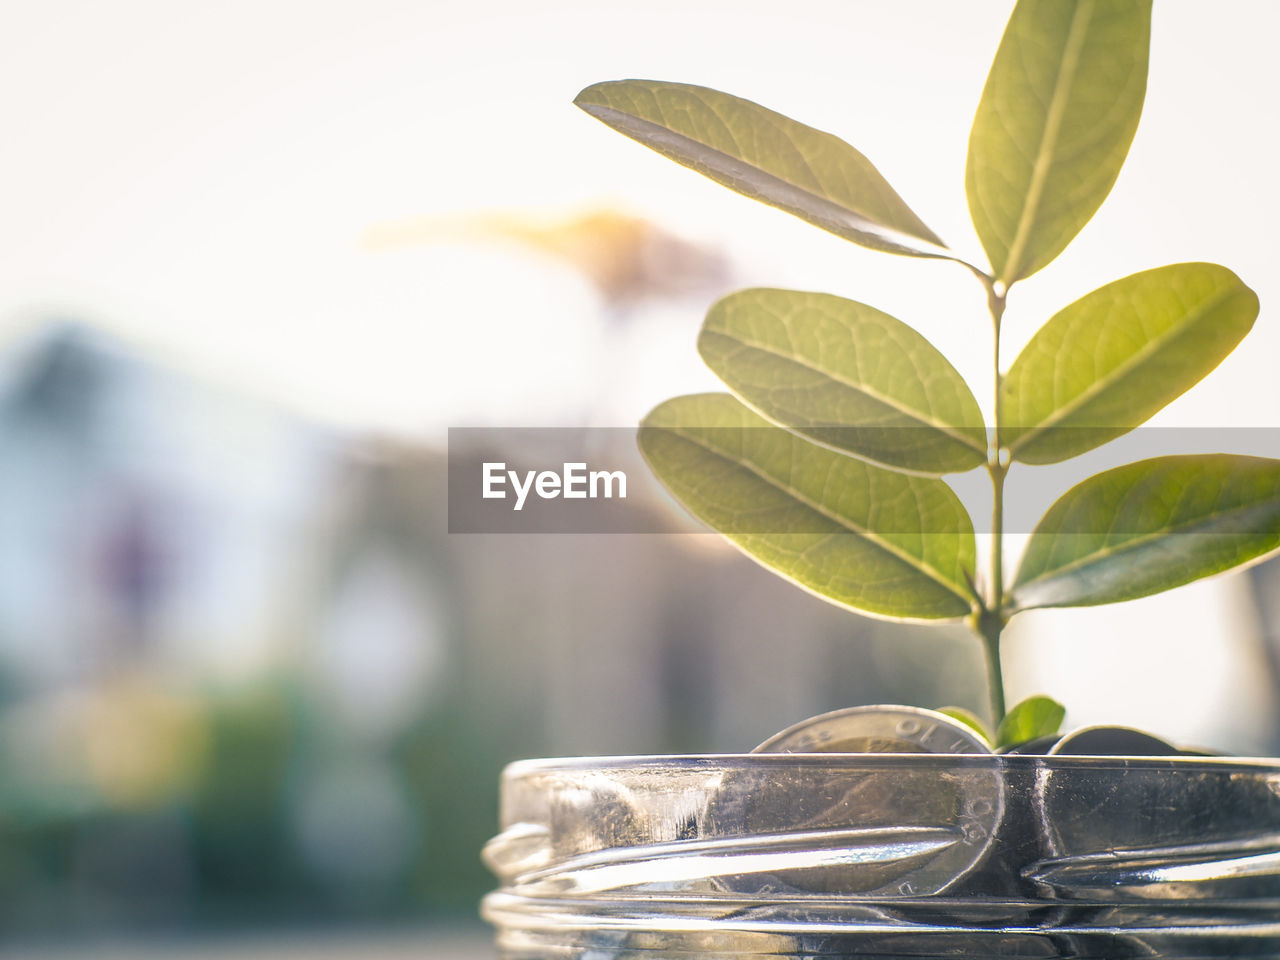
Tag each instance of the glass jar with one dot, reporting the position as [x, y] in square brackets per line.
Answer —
[888, 855]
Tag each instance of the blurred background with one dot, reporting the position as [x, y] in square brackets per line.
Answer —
[256, 258]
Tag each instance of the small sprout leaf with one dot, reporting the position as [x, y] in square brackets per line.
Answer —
[766, 156]
[874, 540]
[1104, 364]
[1058, 112]
[1034, 717]
[1150, 526]
[847, 376]
[970, 720]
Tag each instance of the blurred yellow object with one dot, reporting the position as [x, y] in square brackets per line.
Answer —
[627, 258]
[143, 744]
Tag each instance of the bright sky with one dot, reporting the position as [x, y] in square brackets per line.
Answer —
[196, 177]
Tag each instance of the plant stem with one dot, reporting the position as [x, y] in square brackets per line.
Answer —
[991, 621]
[989, 626]
[995, 602]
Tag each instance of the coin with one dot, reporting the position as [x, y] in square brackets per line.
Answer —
[1111, 742]
[878, 729]
[919, 827]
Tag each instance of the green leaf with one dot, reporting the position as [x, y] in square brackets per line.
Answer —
[766, 156]
[1031, 719]
[970, 720]
[1150, 526]
[1107, 362]
[846, 375]
[1054, 124]
[874, 540]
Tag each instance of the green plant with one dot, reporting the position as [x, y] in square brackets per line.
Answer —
[825, 463]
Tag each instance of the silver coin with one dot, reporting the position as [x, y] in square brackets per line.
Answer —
[878, 729]
[1103, 741]
[954, 809]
